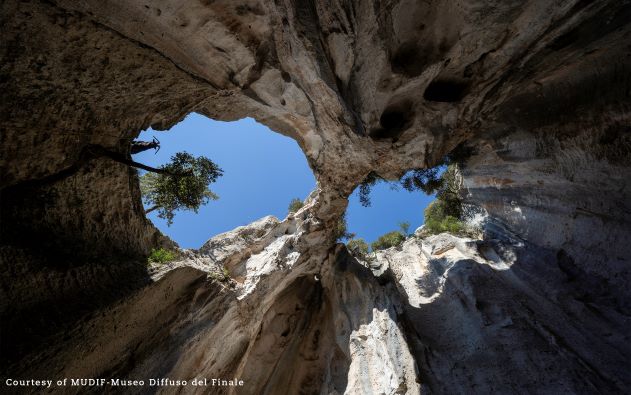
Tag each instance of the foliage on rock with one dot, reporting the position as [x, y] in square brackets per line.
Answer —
[436, 221]
[390, 239]
[222, 275]
[161, 256]
[445, 214]
[358, 247]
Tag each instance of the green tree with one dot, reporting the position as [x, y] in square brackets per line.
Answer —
[181, 184]
[390, 239]
[295, 205]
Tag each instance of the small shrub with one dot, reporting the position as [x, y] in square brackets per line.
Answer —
[448, 224]
[358, 247]
[391, 239]
[295, 205]
[161, 256]
[435, 211]
[221, 276]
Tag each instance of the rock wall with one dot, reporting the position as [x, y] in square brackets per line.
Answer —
[537, 92]
[436, 315]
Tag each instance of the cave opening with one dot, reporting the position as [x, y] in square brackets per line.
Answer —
[262, 172]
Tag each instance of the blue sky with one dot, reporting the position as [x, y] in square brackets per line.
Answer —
[388, 207]
[263, 171]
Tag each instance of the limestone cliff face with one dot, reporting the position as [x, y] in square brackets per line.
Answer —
[537, 93]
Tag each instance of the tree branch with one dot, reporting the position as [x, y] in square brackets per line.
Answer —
[140, 146]
[120, 158]
[147, 211]
[85, 155]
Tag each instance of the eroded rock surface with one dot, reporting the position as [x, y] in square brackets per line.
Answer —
[533, 94]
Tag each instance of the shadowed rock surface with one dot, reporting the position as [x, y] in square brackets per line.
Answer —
[536, 92]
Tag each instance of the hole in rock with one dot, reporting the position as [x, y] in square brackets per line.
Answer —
[447, 91]
[408, 59]
[262, 172]
[413, 57]
[392, 209]
[394, 120]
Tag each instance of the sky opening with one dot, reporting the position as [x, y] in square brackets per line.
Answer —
[263, 172]
[390, 205]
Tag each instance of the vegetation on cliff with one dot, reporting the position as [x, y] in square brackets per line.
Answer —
[161, 256]
[358, 247]
[445, 214]
[388, 240]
